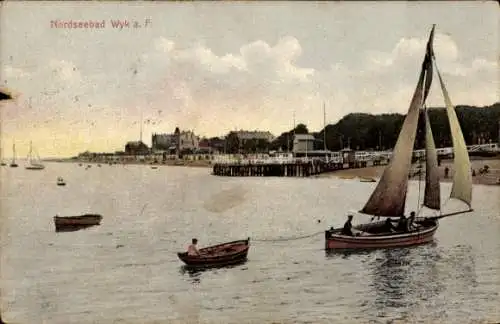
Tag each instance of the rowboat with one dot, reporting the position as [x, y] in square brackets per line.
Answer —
[389, 196]
[75, 223]
[60, 181]
[224, 254]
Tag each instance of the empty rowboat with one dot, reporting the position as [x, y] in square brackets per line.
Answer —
[218, 255]
[74, 223]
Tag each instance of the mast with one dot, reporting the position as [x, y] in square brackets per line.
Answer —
[140, 129]
[324, 125]
[389, 197]
[324, 132]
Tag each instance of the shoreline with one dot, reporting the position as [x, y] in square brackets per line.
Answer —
[371, 172]
[180, 163]
[375, 172]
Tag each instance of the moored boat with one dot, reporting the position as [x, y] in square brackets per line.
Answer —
[389, 196]
[60, 181]
[219, 255]
[74, 223]
[367, 179]
[34, 163]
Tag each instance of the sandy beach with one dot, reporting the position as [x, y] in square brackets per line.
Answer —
[490, 178]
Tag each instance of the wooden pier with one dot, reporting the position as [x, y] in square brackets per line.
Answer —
[290, 169]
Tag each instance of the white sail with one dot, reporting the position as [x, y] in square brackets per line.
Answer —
[462, 175]
[432, 196]
[389, 197]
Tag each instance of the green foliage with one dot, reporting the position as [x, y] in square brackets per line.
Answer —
[365, 131]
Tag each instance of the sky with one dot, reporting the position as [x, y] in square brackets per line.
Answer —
[221, 66]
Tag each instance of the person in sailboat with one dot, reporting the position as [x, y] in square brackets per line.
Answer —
[192, 250]
[347, 230]
[409, 222]
[402, 224]
[388, 227]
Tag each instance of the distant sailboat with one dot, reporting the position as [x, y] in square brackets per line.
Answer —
[13, 164]
[389, 197]
[34, 163]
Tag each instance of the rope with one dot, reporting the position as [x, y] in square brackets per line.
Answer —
[291, 238]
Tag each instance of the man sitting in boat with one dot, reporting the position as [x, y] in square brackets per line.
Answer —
[388, 227]
[402, 224]
[409, 222]
[192, 250]
[347, 230]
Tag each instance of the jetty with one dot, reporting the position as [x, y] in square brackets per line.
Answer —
[316, 162]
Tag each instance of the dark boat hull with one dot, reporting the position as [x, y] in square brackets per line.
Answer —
[423, 234]
[225, 254]
[74, 223]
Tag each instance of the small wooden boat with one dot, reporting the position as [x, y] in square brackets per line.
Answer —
[218, 255]
[154, 167]
[74, 223]
[60, 181]
[389, 196]
[367, 179]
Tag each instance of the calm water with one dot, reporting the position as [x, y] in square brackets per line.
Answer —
[127, 271]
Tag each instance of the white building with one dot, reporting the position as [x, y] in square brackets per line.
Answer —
[303, 143]
[188, 141]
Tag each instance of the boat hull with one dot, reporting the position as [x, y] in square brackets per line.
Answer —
[35, 167]
[220, 255]
[424, 234]
[74, 223]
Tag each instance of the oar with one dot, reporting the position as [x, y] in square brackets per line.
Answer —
[450, 214]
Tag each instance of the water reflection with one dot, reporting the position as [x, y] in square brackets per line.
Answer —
[195, 273]
[402, 276]
[459, 267]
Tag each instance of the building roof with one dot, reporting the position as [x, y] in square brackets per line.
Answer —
[304, 136]
[254, 134]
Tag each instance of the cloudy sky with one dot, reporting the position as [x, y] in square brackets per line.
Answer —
[215, 67]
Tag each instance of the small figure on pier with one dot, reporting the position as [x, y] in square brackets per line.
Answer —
[446, 172]
[192, 250]
[347, 230]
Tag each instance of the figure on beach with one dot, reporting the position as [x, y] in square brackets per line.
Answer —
[192, 250]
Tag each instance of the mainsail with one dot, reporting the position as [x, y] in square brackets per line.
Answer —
[432, 195]
[389, 197]
[462, 175]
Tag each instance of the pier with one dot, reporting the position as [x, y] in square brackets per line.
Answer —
[317, 162]
[298, 167]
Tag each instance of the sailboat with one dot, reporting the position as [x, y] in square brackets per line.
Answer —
[389, 196]
[13, 164]
[34, 163]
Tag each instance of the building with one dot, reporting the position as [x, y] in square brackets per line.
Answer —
[188, 141]
[245, 136]
[248, 141]
[163, 142]
[136, 148]
[303, 143]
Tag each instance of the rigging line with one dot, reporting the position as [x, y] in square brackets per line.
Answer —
[292, 238]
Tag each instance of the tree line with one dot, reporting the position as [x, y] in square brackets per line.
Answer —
[361, 131]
